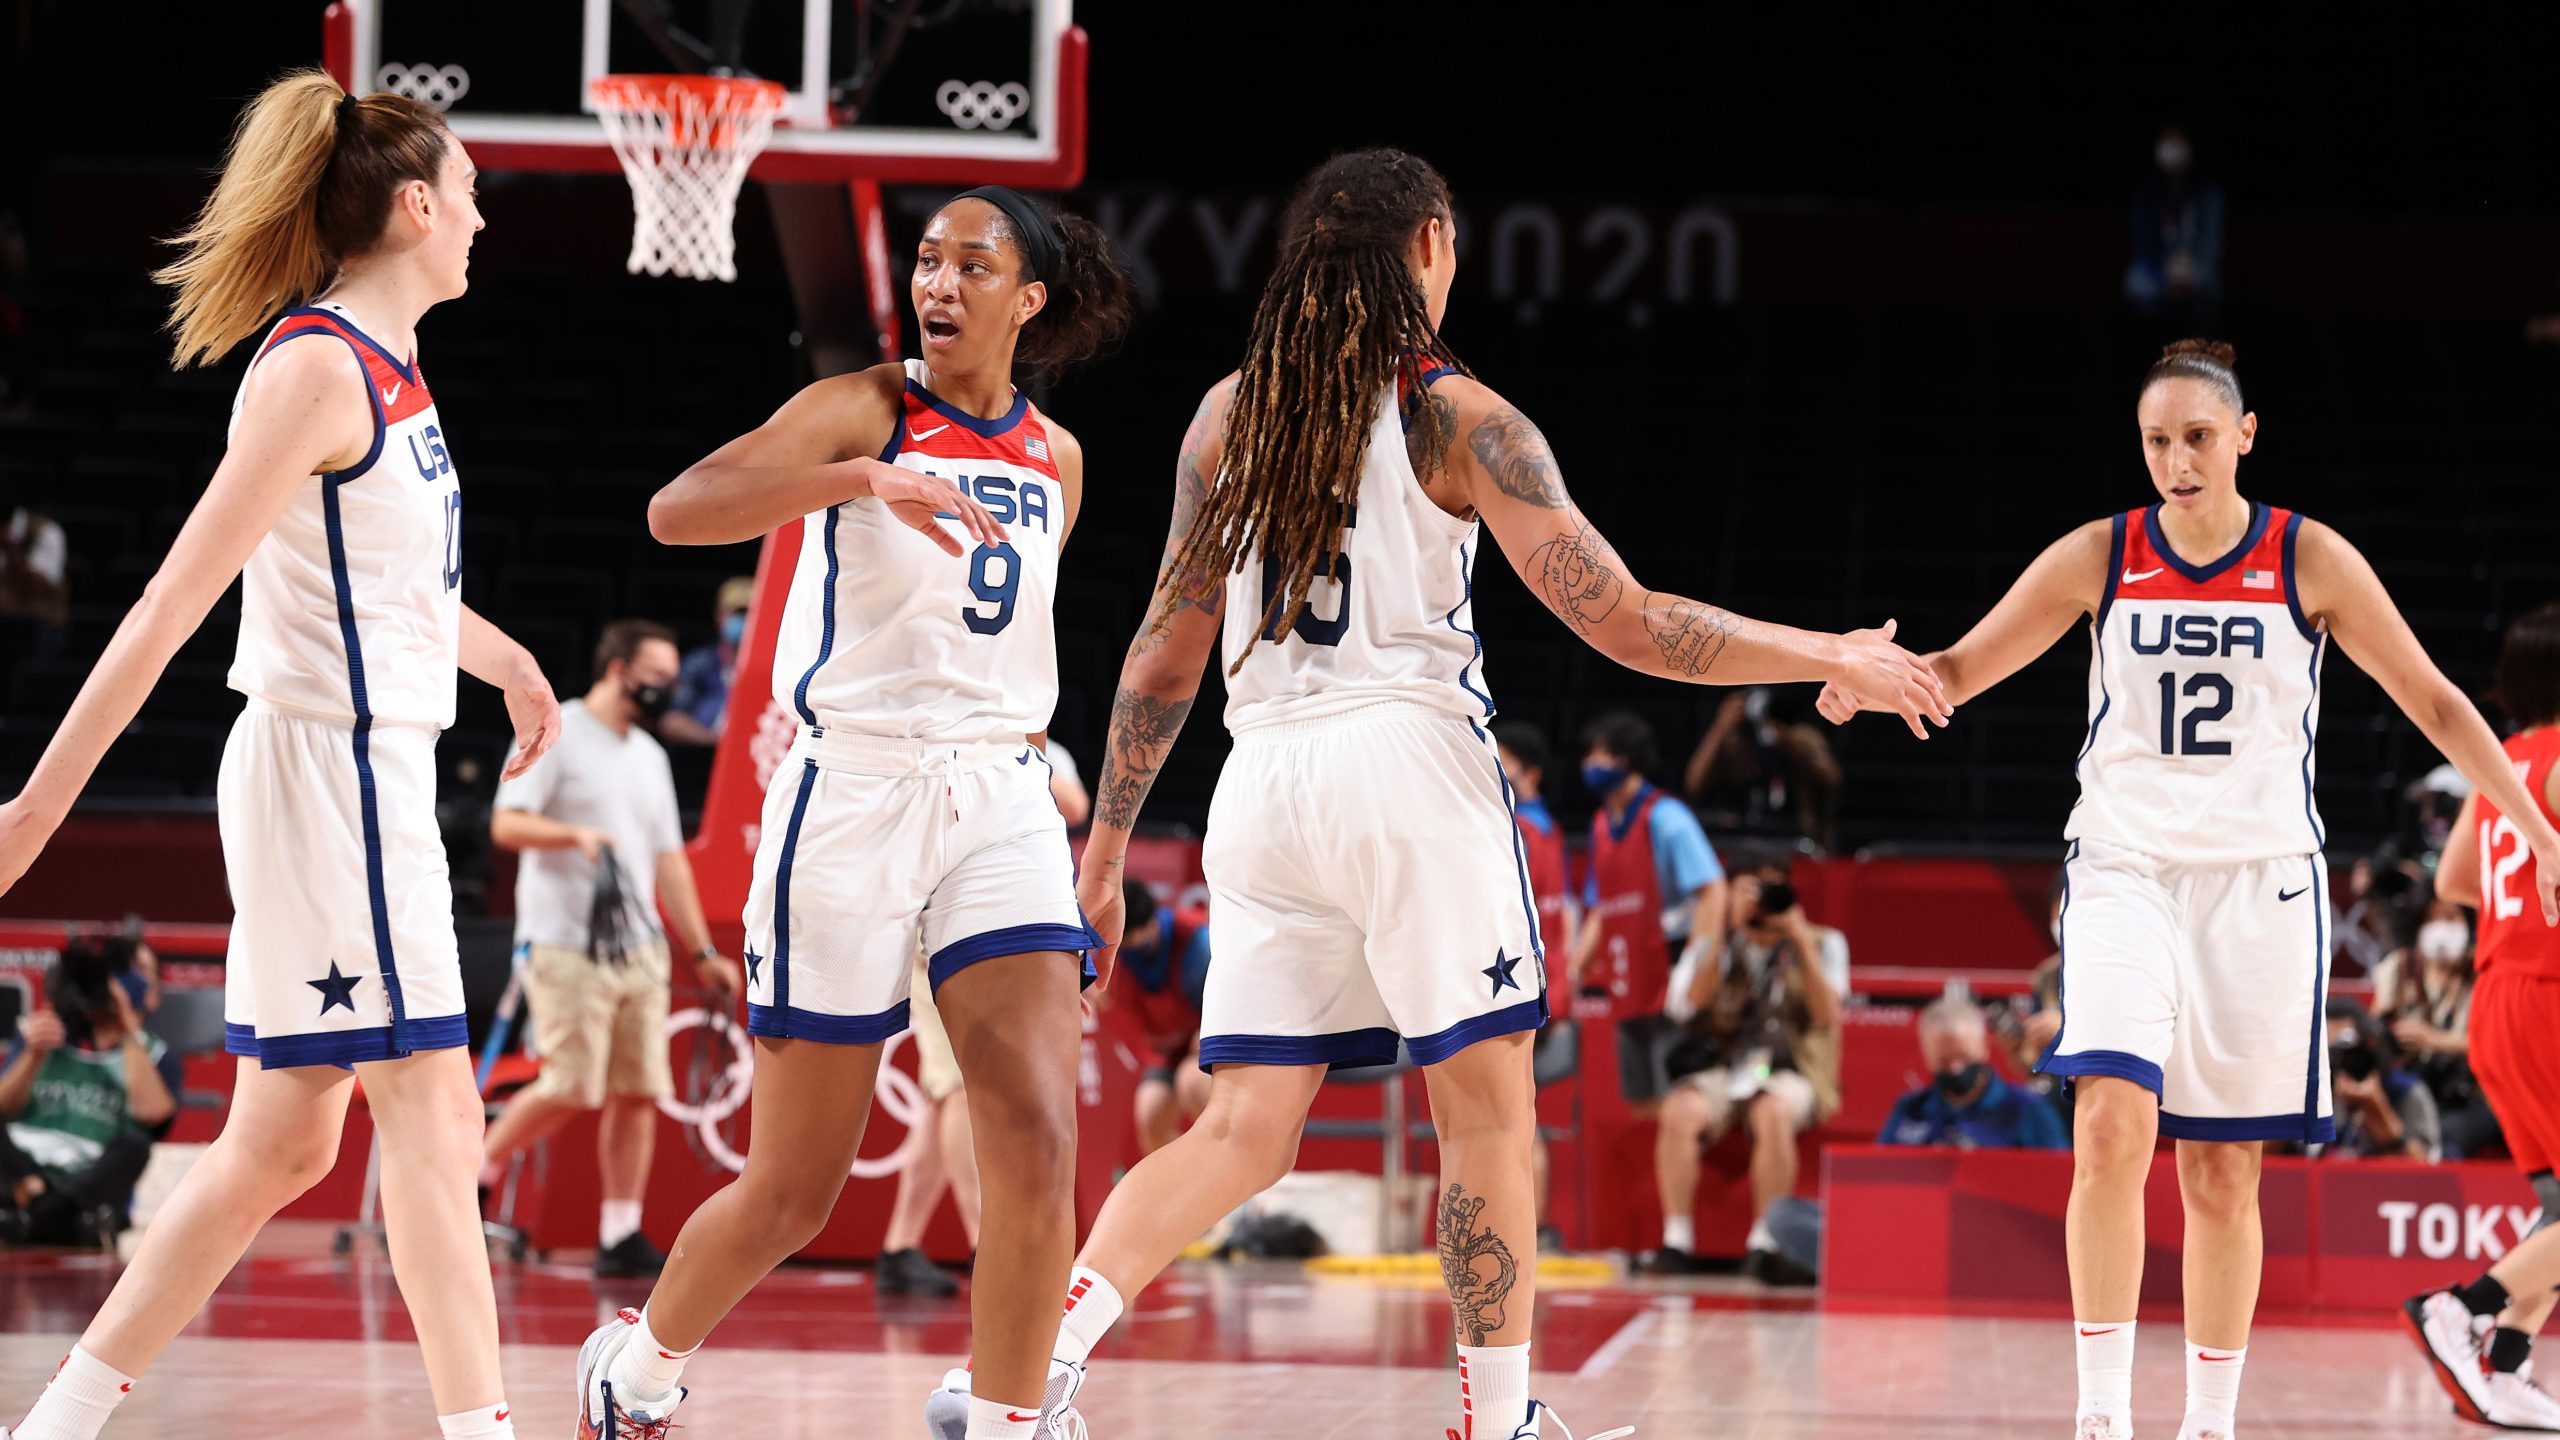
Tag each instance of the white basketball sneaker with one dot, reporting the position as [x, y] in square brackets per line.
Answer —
[2206, 1427]
[2100, 1425]
[946, 1410]
[1539, 1414]
[2450, 1335]
[2514, 1402]
[603, 1415]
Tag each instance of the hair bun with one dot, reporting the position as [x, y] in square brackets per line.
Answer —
[2217, 351]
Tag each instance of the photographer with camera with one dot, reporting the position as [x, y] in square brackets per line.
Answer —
[603, 845]
[2382, 1108]
[1762, 1040]
[85, 1092]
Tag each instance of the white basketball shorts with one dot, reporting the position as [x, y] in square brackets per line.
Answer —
[2204, 984]
[342, 944]
[1366, 884]
[871, 846]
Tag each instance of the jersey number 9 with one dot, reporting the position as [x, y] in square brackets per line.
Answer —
[990, 590]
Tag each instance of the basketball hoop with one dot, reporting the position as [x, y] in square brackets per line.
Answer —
[685, 142]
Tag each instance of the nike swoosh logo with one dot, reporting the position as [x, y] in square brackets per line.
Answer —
[2217, 1359]
[1023, 759]
[392, 395]
[2131, 578]
[2291, 894]
[2110, 1330]
[1018, 1419]
[922, 435]
[501, 1415]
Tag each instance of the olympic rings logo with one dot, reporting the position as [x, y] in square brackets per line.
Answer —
[438, 87]
[896, 1092]
[982, 106]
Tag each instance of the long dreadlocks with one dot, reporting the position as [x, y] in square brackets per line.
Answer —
[1340, 318]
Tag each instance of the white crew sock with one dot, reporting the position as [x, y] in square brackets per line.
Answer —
[489, 1422]
[617, 1221]
[995, 1420]
[2213, 1382]
[1679, 1232]
[1093, 1307]
[83, 1392]
[646, 1370]
[2106, 1367]
[1760, 1238]
[1493, 1388]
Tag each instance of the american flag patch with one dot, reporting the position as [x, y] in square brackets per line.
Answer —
[1035, 447]
[2257, 579]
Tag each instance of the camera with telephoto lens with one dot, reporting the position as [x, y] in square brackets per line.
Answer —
[1777, 897]
[80, 986]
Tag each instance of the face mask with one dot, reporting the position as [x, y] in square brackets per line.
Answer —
[1604, 779]
[651, 700]
[2442, 941]
[733, 628]
[1960, 1081]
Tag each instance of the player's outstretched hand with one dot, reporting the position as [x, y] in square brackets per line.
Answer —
[22, 836]
[922, 501]
[1879, 675]
[535, 712]
[2546, 879]
[1106, 909]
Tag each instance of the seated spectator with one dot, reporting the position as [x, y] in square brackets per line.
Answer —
[701, 704]
[1965, 1104]
[2382, 1109]
[35, 591]
[2423, 994]
[2027, 1025]
[1763, 1044]
[85, 1091]
[1163, 970]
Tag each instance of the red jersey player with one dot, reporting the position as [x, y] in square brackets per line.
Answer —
[2479, 1335]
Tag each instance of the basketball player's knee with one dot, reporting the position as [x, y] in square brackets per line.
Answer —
[1267, 1144]
[796, 1214]
[2112, 1136]
[1039, 1156]
[2219, 1182]
[283, 1167]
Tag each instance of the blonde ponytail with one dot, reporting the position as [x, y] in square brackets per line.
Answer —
[306, 183]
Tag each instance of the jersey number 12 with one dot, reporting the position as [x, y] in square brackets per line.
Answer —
[2187, 738]
[2497, 870]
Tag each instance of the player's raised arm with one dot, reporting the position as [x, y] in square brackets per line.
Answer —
[821, 448]
[1158, 680]
[1510, 477]
[2057, 590]
[302, 415]
[2341, 594]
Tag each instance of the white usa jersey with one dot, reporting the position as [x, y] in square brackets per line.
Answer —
[1392, 619]
[888, 634]
[351, 607]
[2204, 700]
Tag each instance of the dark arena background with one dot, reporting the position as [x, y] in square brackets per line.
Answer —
[1832, 316]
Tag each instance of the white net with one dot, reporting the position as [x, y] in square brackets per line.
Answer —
[685, 143]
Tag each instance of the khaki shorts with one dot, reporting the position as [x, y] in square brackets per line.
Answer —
[602, 1029]
[937, 1069]
[1792, 1090]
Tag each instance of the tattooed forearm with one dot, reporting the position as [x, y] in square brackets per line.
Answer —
[1143, 728]
[1515, 456]
[1691, 636]
[1477, 1265]
[1577, 576]
[1192, 475]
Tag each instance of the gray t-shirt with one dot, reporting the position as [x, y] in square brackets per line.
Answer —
[619, 784]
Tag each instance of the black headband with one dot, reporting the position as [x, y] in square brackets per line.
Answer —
[1038, 236]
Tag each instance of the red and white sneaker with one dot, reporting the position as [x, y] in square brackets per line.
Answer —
[2102, 1426]
[2450, 1335]
[604, 1415]
[2206, 1427]
[2515, 1402]
[1540, 1415]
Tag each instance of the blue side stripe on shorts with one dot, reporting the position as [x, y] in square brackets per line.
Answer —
[782, 894]
[2311, 1116]
[2062, 972]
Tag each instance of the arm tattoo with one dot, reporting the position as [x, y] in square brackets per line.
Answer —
[1143, 728]
[1691, 636]
[1577, 576]
[1190, 493]
[1477, 1265]
[1426, 443]
[1516, 457]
